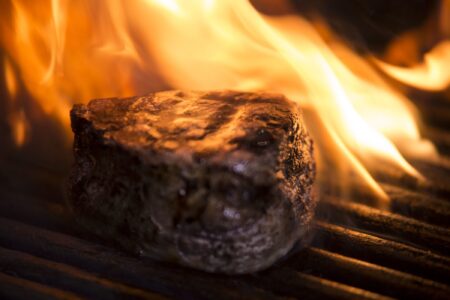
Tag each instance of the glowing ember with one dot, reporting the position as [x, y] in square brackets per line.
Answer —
[72, 51]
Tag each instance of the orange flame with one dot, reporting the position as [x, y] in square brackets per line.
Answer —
[16, 118]
[73, 51]
[10, 78]
[433, 73]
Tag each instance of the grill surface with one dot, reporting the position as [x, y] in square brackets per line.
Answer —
[359, 250]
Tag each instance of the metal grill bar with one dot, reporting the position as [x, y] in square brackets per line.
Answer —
[13, 287]
[288, 282]
[367, 275]
[419, 206]
[149, 275]
[67, 277]
[383, 252]
[385, 223]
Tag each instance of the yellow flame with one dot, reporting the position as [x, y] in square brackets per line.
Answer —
[19, 127]
[16, 118]
[170, 5]
[10, 78]
[72, 51]
[433, 73]
[267, 53]
[59, 8]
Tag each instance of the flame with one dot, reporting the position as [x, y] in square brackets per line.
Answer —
[64, 57]
[16, 118]
[433, 74]
[73, 51]
[10, 79]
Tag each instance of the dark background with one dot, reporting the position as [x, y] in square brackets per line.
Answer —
[370, 24]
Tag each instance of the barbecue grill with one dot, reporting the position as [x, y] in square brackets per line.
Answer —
[360, 249]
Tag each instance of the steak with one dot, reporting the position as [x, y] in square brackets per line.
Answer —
[219, 181]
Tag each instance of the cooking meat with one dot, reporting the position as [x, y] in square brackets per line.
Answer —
[219, 181]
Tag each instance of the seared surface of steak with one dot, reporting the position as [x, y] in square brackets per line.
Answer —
[219, 181]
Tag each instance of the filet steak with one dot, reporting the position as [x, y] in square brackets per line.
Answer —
[219, 181]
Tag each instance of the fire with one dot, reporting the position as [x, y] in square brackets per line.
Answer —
[16, 116]
[433, 73]
[72, 51]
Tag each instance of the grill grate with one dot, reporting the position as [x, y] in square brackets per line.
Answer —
[359, 251]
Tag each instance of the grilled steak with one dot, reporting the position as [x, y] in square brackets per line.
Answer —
[219, 181]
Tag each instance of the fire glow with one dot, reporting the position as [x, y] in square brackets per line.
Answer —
[64, 52]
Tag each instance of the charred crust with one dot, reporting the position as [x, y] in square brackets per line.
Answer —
[219, 181]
